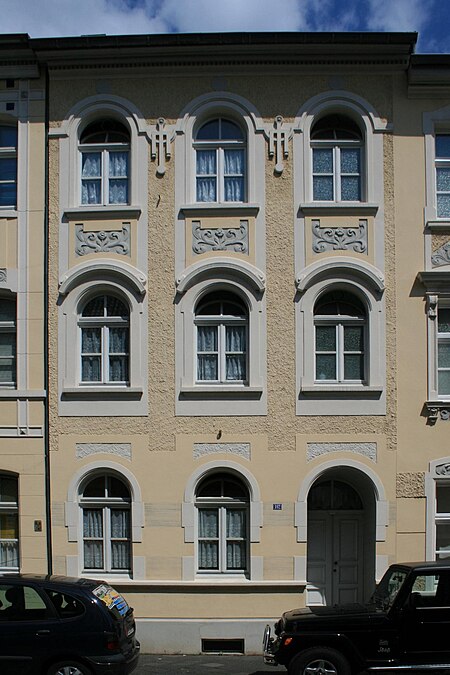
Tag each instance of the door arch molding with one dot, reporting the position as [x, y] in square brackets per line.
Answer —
[381, 503]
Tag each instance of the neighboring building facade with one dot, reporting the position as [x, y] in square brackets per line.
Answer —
[23, 451]
[249, 321]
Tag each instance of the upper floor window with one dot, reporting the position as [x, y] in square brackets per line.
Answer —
[220, 148]
[8, 166]
[339, 322]
[105, 325]
[7, 343]
[222, 505]
[105, 504]
[105, 154]
[336, 143]
[221, 320]
[442, 155]
[9, 523]
[443, 352]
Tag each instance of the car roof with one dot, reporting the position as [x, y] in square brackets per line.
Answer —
[425, 564]
[52, 580]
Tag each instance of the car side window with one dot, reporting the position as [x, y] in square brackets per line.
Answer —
[66, 605]
[21, 603]
[431, 590]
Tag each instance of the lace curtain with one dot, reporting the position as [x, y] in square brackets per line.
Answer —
[91, 178]
[233, 170]
[93, 529]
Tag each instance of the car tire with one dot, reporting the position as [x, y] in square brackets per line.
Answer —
[319, 661]
[68, 667]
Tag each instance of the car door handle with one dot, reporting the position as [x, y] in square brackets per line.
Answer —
[43, 632]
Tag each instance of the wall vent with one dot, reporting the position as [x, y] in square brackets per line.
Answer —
[215, 646]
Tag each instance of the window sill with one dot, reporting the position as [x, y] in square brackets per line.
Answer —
[436, 225]
[341, 389]
[120, 393]
[338, 208]
[224, 208]
[8, 212]
[221, 391]
[105, 211]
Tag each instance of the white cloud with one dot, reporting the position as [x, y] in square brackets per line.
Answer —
[235, 15]
[398, 15]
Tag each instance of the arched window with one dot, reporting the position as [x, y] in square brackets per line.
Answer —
[8, 166]
[105, 505]
[339, 324]
[336, 142]
[7, 342]
[9, 521]
[105, 147]
[222, 502]
[221, 320]
[104, 327]
[220, 148]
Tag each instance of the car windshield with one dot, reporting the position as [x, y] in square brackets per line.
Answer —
[112, 599]
[388, 588]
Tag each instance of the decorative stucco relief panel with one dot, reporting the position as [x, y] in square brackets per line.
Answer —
[368, 450]
[326, 239]
[241, 449]
[119, 449]
[104, 241]
[234, 239]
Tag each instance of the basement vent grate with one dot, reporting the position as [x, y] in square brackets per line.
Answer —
[235, 646]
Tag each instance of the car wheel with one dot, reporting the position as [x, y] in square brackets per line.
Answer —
[68, 667]
[319, 661]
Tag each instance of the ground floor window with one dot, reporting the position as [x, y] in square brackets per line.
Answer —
[442, 521]
[106, 521]
[9, 523]
[222, 505]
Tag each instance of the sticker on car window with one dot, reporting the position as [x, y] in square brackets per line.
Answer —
[111, 598]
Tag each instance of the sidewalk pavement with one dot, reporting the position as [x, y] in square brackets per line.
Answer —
[204, 664]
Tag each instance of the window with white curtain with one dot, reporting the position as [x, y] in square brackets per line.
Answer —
[442, 158]
[7, 342]
[442, 520]
[340, 329]
[220, 155]
[336, 143]
[8, 166]
[104, 325]
[105, 154]
[443, 351]
[222, 503]
[106, 524]
[221, 320]
[9, 523]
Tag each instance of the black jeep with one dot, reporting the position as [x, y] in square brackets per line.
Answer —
[404, 626]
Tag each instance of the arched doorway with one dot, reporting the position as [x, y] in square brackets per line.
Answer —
[341, 538]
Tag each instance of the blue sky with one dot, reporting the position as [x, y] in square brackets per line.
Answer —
[52, 18]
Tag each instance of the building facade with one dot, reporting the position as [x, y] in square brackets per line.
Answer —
[247, 246]
[24, 543]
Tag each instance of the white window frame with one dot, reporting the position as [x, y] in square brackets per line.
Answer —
[230, 397]
[9, 152]
[189, 517]
[336, 146]
[340, 323]
[74, 523]
[435, 123]
[221, 322]
[222, 505]
[435, 300]
[105, 150]
[111, 399]
[104, 323]
[219, 147]
[11, 508]
[345, 397]
[438, 474]
[106, 505]
[10, 327]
